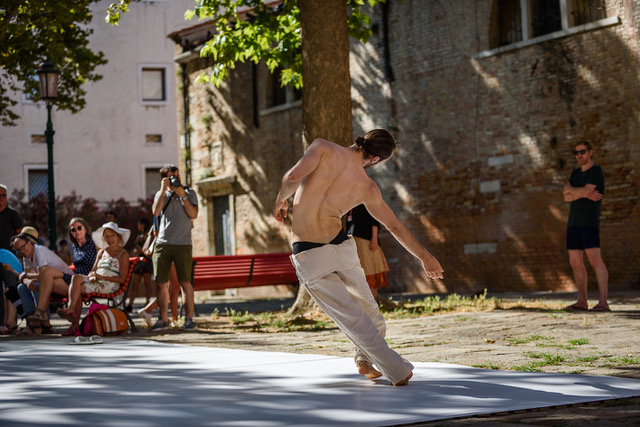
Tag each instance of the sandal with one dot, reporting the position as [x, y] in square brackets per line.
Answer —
[600, 308]
[39, 316]
[7, 329]
[30, 330]
[64, 314]
[576, 308]
[71, 332]
[47, 329]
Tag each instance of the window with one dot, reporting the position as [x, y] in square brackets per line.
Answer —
[585, 11]
[153, 138]
[518, 21]
[38, 182]
[38, 139]
[544, 17]
[153, 84]
[276, 94]
[506, 23]
[151, 181]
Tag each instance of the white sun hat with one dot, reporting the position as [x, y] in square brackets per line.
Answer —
[99, 240]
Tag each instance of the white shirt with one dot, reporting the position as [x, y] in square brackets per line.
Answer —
[44, 257]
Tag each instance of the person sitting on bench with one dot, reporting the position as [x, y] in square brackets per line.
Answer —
[44, 273]
[108, 274]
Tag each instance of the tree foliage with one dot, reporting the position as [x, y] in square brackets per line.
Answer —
[258, 31]
[252, 30]
[34, 31]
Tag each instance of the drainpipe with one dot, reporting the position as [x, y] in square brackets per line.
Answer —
[185, 123]
[388, 72]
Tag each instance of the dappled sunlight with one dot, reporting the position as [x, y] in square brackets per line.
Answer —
[432, 231]
[557, 213]
[491, 82]
[526, 276]
[514, 237]
[531, 148]
[403, 194]
[588, 76]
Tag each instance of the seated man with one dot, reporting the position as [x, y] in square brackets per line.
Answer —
[44, 272]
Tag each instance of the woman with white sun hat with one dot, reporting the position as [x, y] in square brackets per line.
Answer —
[108, 274]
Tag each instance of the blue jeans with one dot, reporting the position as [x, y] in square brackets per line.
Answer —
[29, 300]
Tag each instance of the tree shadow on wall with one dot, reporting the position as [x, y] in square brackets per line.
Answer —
[492, 145]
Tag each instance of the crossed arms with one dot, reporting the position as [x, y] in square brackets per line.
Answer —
[587, 192]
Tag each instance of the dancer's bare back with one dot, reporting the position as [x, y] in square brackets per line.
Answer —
[328, 181]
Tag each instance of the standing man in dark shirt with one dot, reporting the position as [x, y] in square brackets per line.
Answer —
[585, 191]
[10, 220]
[10, 225]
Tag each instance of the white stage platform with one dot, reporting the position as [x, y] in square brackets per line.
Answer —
[144, 383]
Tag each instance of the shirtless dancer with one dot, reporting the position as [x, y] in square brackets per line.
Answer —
[328, 181]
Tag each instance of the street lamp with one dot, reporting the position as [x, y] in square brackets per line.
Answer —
[48, 77]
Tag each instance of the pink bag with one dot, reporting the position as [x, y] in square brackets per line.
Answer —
[86, 326]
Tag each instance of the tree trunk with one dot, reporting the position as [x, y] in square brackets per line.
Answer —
[326, 90]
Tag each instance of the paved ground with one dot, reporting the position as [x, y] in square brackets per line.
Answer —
[525, 332]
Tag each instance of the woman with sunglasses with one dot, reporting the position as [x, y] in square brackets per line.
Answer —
[83, 248]
[107, 274]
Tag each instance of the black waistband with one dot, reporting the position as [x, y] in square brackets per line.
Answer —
[305, 246]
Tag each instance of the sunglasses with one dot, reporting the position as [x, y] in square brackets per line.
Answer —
[581, 152]
[74, 229]
[19, 249]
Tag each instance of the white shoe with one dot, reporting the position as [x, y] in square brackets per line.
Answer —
[146, 316]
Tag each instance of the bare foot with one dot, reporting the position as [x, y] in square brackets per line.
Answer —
[404, 381]
[368, 371]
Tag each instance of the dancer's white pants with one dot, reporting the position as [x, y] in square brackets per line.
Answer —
[337, 283]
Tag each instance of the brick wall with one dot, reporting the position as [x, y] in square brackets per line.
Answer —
[490, 144]
[487, 145]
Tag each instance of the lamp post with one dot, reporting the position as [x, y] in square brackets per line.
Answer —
[48, 77]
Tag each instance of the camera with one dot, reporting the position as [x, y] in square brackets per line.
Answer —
[175, 181]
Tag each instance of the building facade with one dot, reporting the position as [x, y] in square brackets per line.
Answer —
[487, 99]
[114, 147]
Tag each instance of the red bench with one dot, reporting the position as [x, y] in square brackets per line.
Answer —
[241, 271]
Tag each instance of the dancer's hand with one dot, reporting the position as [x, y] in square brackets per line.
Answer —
[280, 210]
[432, 267]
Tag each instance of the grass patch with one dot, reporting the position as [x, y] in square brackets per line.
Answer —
[276, 322]
[616, 361]
[587, 359]
[548, 358]
[529, 367]
[579, 341]
[436, 305]
[554, 345]
[487, 366]
[530, 338]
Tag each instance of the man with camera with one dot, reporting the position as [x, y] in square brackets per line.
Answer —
[176, 206]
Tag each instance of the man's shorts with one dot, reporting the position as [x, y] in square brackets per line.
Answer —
[580, 238]
[180, 255]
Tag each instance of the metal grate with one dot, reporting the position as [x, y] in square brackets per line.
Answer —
[585, 11]
[38, 183]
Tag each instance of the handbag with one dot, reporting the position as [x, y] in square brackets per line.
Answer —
[149, 244]
[109, 322]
